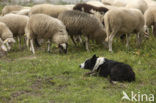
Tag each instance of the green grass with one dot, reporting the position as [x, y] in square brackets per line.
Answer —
[56, 78]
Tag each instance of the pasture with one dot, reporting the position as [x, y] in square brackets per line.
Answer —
[57, 78]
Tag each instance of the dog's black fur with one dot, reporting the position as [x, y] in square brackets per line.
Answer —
[87, 8]
[116, 70]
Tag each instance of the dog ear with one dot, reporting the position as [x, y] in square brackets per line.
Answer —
[94, 56]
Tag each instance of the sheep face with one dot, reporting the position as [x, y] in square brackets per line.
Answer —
[2, 46]
[8, 42]
[63, 48]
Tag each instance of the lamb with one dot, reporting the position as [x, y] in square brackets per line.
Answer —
[16, 24]
[49, 9]
[78, 23]
[150, 19]
[123, 21]
[47, 28]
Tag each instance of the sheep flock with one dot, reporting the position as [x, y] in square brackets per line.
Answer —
[82, 22]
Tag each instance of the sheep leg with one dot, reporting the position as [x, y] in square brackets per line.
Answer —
[154, 29]
[86, 43]
[32, 46]
[72, 38]
[110, 41]
[127, 41]
[49, 45]
[8, 46]
[138, 39]
[27, 42]
[20, 42]
[36, 42]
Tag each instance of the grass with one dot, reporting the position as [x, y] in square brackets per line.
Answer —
[56, 78]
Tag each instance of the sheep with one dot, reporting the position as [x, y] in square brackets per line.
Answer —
[10, 8]
[16, 24]
[22, 12]
[150, 3]
[49, 9]
[45, 27]
[95, 3]
[97, 11]
[6, 35]
[126, 21]
[150, 19]
[137, 4]
[118, 3]
[78, 23]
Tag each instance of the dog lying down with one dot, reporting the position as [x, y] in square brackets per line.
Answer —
[104, 67]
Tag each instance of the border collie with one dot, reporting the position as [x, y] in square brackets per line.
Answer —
[104, 67]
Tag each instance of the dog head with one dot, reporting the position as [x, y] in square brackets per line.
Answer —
[89, 63]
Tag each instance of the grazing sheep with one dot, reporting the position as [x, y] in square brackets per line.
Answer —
[150, 19]
[41, 26]
[95, 3]
[16, 24]
[6, 35]
[78, 23]
[10, 8]
[137, 4]
[51, 10]
[151, 3]
[123, 21]
[5, 31]
[119, 3]
[22, 12]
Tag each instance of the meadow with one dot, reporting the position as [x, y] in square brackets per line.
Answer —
[57, 78]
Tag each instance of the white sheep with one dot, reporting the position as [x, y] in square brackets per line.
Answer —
[16, 24]
[150, 19]
[123, 21]
[137, 4]
[22, 12]
[81, 23]
[49, 9]
[151, 3]
[6, 35]
[3, 48]
[11, 8]
[41, 26]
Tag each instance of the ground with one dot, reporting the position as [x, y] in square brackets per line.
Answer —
[57, 78]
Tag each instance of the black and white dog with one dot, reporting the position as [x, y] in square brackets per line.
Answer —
[104, 67]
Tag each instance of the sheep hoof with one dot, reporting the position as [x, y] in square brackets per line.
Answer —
[110, 51]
